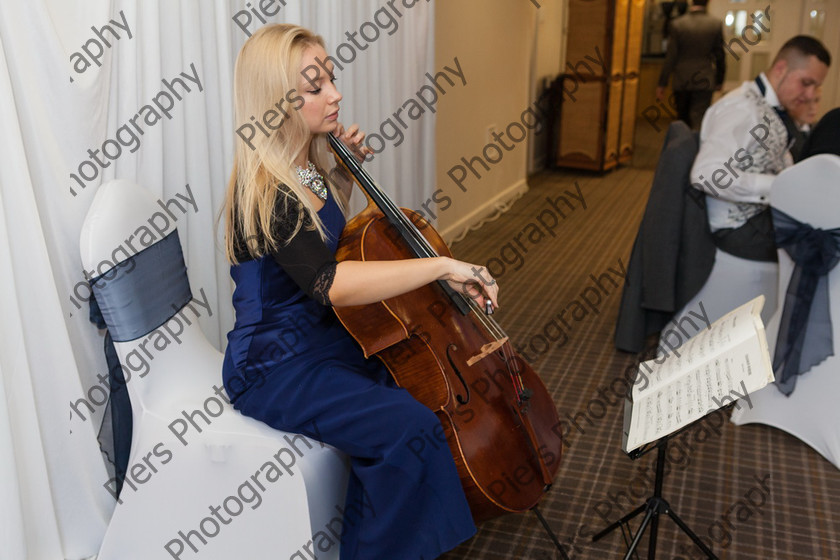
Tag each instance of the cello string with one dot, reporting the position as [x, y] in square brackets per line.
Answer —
[515, 373]
[398, 219]
[396, 215]
[383, 201]
[374, 191]
[507, 351]
[489, 323]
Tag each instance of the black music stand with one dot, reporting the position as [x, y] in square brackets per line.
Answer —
[656, 504]
[550, 532]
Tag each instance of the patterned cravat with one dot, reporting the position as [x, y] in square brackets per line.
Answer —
[795, 137]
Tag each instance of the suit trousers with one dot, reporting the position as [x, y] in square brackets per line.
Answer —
[692, 105]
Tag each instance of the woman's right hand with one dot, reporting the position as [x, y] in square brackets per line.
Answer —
[473, 281]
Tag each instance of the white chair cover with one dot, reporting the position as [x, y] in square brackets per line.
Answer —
[226, 464]
[733, 282]
[809, 192]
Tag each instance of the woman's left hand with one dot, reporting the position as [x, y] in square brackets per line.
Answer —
[353, 138]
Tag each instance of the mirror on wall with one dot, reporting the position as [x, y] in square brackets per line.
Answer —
[816, 22]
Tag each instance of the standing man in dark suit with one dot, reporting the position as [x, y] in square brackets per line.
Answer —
[695, 57]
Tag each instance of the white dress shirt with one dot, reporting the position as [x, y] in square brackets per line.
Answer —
[743, 145]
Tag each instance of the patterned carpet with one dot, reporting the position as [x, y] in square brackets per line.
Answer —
[751, 492]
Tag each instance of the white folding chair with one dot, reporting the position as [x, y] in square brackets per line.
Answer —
[274, 493]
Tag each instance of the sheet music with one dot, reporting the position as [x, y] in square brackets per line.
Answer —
[714, 368]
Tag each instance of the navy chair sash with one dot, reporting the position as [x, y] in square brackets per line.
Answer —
[130, 300]
[805, 334]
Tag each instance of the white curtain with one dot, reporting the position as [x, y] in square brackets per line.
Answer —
[53, 109]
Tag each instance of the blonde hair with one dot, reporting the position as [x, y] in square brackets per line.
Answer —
[267, 71]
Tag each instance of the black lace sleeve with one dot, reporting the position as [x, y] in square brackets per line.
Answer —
[309, 262]
[306, 258]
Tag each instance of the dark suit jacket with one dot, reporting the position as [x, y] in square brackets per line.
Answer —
[674, 251]
[825, 137]
[695, 53]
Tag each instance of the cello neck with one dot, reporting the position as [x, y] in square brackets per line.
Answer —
[407, 230]
[418, 244]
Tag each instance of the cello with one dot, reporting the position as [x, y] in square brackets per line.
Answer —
[496, 414]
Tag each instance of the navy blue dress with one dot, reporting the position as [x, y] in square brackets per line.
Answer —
[291, 364]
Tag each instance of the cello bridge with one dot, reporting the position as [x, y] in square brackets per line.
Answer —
[486, 350]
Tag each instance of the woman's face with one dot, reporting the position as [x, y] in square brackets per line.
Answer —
[320, 96]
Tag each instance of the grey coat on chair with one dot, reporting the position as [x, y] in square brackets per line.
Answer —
[673, 254]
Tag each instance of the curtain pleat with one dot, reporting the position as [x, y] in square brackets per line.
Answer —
[61, 511]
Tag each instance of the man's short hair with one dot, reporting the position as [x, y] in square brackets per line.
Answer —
[804, 46]
[700, 3]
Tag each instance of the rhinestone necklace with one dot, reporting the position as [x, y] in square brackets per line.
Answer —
[311, 179]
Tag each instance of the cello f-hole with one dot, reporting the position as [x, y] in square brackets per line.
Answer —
[458, 397]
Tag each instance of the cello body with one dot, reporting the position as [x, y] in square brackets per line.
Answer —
[507, 449]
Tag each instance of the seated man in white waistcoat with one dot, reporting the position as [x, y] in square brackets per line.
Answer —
[746, 139]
